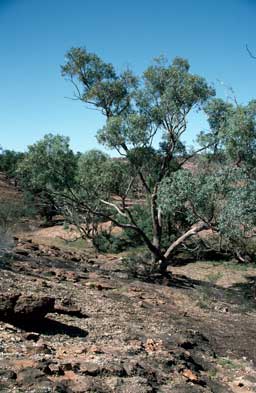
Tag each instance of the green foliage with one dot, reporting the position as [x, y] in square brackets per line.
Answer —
[218, 112]
[233, 131]
[238, 214]
[141, 214]
[91, 174]
[49, 166]
[107, 243]
[240, 135]
[9, 161]
[161, 105]
[137, 111]
[99, 176]
[225, 199]
[99, 83]
[191, 195]
[104, 241]
[176, 89]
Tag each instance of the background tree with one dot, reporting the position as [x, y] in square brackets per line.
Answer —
[48, 167]
[232, 132]
[9, 161]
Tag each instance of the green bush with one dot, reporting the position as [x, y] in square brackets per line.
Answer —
[142, 217]
[106, 242]
[129, 239]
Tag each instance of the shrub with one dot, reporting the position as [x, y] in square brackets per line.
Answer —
[12, 212]
[106, 242]
[140, 265]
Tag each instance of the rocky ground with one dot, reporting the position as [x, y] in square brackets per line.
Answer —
[75, 321]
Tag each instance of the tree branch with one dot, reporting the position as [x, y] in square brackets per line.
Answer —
[250, 52]
[192, 231]
[115, 207]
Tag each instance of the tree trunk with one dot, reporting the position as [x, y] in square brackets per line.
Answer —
[156, 220]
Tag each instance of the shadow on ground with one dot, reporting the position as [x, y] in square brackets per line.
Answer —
[51, 327]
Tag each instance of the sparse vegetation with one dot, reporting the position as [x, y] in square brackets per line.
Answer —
[227, 363]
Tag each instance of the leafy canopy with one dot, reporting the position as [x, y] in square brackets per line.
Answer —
[137, 108]
[48, 165]
[232, 131]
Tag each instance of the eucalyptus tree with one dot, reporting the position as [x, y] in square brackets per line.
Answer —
[139, 113]
[48, 167]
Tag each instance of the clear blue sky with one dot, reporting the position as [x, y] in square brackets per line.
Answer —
[35, 34]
